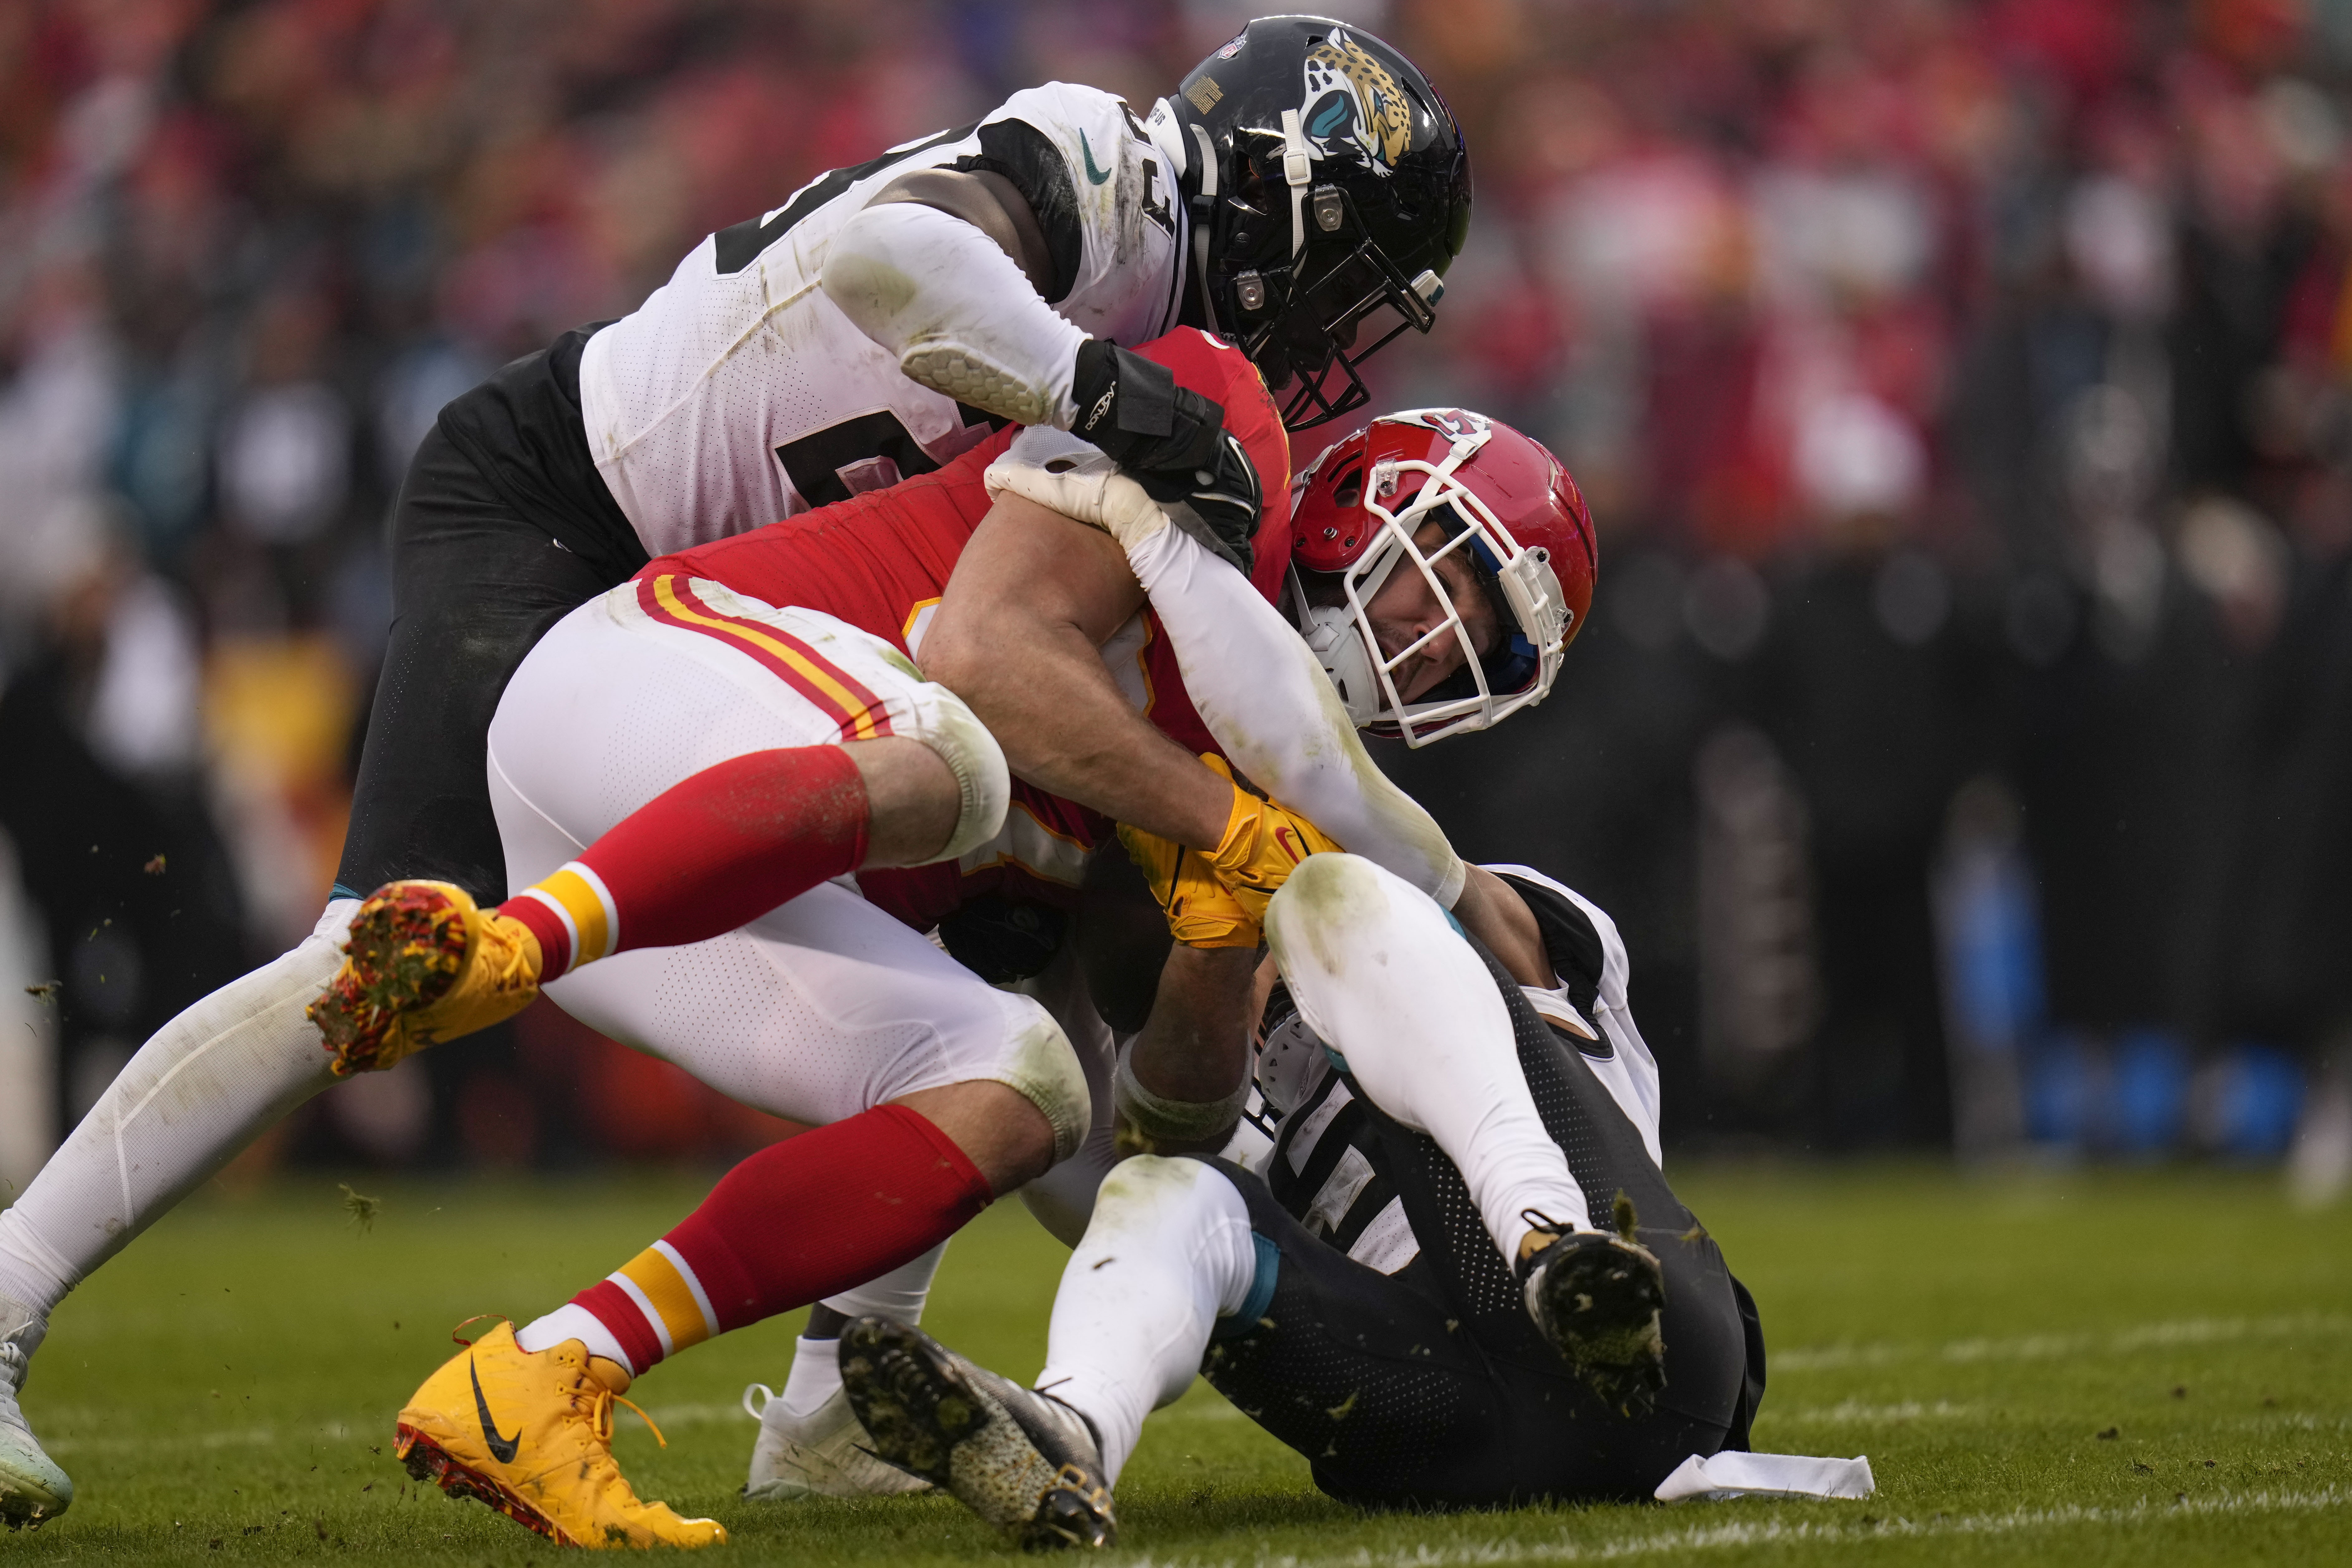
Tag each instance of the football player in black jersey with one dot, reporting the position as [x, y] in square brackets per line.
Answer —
[1455, 1276]
[1304, 193]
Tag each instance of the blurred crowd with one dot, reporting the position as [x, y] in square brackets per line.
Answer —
[1963, 732]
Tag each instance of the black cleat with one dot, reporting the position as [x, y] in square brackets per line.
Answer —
[1598, 1298]
[1026, 1462]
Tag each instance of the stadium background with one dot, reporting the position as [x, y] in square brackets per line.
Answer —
[1964, 731]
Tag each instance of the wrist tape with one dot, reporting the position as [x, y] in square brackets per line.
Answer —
[1155, 1118]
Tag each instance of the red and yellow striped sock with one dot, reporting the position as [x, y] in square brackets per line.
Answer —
[863, 1197]
[703, 857]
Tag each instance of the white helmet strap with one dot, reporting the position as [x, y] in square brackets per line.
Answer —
[1298, 171]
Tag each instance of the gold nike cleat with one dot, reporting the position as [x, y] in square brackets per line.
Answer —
[532, 1434]
[423, 964]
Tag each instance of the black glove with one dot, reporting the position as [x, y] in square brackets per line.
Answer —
[1002, 939]
[1172, 442]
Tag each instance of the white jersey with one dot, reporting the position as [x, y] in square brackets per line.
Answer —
[739, 393]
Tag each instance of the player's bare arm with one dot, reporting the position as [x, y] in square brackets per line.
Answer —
[1033, 598]
[1191, 1009]
[1192, 1055]
[1497, 915]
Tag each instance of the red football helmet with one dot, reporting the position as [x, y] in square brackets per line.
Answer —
[1499, 496]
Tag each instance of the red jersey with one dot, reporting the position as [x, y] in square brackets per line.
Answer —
[881, 561]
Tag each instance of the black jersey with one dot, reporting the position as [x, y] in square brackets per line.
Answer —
[1320, 1165]
[1394, 1351]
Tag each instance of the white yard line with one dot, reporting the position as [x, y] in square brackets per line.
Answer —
[2050, 1346]
[235, 1438]
[333, 1432]
[1854, 1411]
[1777, 1532]
[717, 1411]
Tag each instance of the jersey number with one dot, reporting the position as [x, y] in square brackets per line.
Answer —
[868, 453]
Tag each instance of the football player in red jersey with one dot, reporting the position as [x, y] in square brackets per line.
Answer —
[1304, 189]
[719, 755]
[1448, 490]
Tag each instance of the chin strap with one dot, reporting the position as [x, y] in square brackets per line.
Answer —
[1204, 206]
[1296, 171]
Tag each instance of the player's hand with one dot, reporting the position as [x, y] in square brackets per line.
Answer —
[1201, 911]
[1172, 442]
[1263, 843]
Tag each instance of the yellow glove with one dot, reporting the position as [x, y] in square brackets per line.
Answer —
[1264, 842]
[1201, 912]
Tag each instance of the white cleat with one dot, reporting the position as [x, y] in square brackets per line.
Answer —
[822, 1454]
[33, 1490]
[1023, 1461]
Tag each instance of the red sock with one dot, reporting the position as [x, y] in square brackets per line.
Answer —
[702, 857]
[800, 1220]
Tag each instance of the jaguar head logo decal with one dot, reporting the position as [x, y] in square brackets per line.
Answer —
[1352, 97]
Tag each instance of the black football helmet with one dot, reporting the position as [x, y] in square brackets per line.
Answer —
[1329, 192]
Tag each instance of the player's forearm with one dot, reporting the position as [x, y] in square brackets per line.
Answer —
[1066, 728]
[1191, 1063]
[1274, 713]
[1490, 910]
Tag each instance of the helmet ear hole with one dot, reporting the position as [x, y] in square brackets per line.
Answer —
[1349, 490]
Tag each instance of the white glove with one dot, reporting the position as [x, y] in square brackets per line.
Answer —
[1066, 474]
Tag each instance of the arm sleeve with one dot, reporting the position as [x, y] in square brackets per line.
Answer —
[956, 310]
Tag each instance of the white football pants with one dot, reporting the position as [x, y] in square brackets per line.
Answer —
[824, 1007]
[1168, 1253]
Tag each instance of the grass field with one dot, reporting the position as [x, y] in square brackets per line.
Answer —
[2133, 1368]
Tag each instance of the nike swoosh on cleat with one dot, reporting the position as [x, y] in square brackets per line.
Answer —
[501, 1449]
[1095, 175]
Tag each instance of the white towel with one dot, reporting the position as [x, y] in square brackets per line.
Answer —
[1731, 1474]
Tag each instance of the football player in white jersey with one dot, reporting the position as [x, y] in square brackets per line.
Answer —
[1302, 193]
